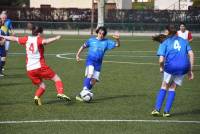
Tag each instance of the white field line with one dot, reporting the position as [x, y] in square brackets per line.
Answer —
[96, 121]
[64, 56]
[138, 40]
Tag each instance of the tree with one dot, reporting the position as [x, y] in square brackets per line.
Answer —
[14, 2]
[196, 3]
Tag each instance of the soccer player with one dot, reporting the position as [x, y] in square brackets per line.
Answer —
[185, 34]
[3, 30]
[2, 50]
[97, 47]
[176, 59]
[37, 69]
[8, 28]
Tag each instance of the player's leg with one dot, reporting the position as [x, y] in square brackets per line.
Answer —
[39, 92]
[161, 94]
[59, 88]
[177, 80]
[3, 61]
[87, 85]
[49, 74]
[88, 82]
[7, 45]
[36, 80]
[92, 74]
[1, 74]
[170, 99]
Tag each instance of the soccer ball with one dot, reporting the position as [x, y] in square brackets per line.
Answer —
[87, 97]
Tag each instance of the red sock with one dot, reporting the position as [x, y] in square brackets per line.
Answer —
[39, 92]
[59, 87]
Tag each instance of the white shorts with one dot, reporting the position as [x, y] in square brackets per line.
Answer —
[90, 71]
[178, 79]
[7, 45]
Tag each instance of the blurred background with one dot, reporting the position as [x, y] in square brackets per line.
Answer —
[126, 16]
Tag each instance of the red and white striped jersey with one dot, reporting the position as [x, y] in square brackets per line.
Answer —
[34, 51]
[185, 35]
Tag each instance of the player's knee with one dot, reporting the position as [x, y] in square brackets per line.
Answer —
[173, 86]
[56, 78]
[164, 85]
[42, 85]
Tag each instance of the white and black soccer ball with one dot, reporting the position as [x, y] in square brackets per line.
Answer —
[87, 97]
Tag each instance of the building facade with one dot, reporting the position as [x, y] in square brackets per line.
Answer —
[172, 4]
[118, 4]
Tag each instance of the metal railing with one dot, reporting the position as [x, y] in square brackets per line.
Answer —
[86, 26]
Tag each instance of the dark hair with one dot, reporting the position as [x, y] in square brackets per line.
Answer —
[172, 29]
[182, 23]
[36, 30]
[159, 38]
[162, 37]
[102, 29]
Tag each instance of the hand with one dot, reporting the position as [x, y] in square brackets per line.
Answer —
[190, 75]
[116, 35]
[78, 59]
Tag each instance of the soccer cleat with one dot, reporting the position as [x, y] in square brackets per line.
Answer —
[63, 97]
[37, 101]
[155, 112]
[2, 75]
[165, 114]
[79, 98]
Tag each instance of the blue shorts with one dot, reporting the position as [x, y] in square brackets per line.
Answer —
[2, 51]
[97, 65]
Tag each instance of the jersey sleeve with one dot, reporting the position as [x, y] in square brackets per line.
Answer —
[8, 23]
[189, 36]
[188, 47]
[22, 40]
[161, 50]
[39, 41]
[111, 44]
[87, 43]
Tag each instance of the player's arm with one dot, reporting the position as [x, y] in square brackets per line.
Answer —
[11, 38]
[117, 38]
[191, 58]
[50, 40]
[161, 53]
[161, 63]
[79, 52]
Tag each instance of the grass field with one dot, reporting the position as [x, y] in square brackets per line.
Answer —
[123, 99]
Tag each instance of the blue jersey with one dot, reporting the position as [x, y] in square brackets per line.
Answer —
[8, 24]
[2, 47]
[97, 48]
[175, 50]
